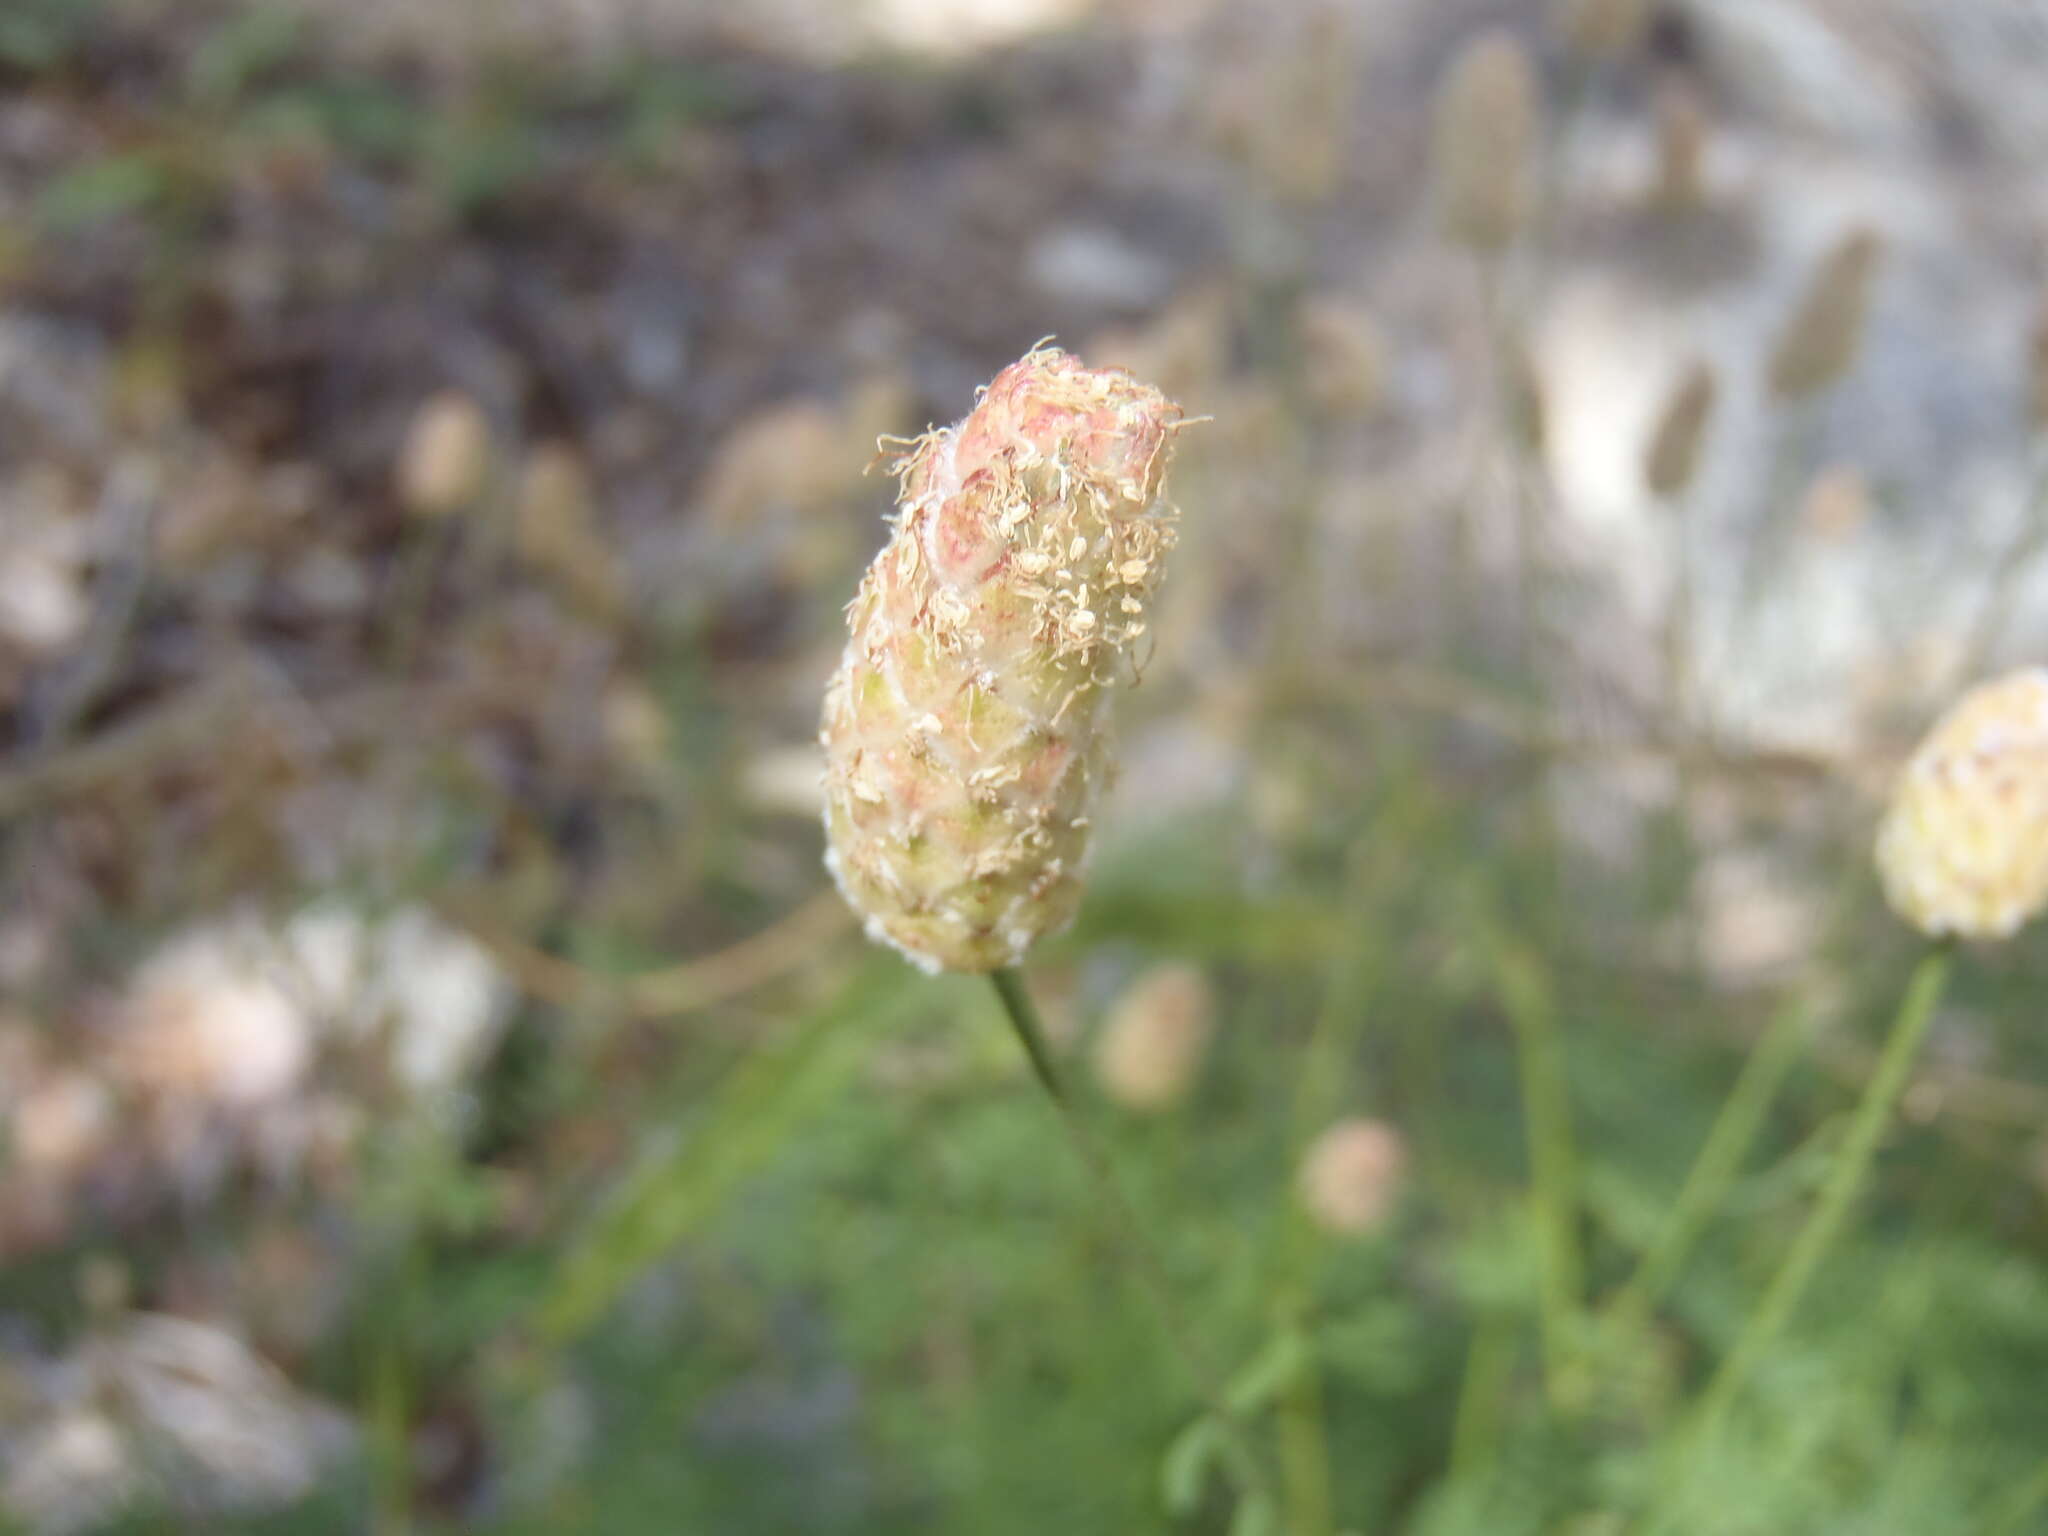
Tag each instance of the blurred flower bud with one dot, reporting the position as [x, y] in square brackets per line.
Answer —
[1184, 350]
[1963, 848]
[1598, 30]
[1674, 454]
[1344, 357]
[208, 1021]
[793, 455]
[1154, 1039]
[636, 727]
[1836, 504]
[105, 1285]
[558, 532]
[1528, 415]
[446, 462]
[61, 1123]
[1486, 134]
[1681, 148]
[1352, 1176]
[1820, 342]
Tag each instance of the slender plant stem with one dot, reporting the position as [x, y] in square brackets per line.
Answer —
[1682, 686]
[425, 552]
[1489, 1365]
[1720, 1158]
[388, 1396]
[1546, 1113]
[1305, 1451]
[1501, 341]
[1253, 1479]
[1823, 1225]
[1679, 661]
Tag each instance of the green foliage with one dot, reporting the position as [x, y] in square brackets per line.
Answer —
[41, 34]
[103, 189]
[822, 1261]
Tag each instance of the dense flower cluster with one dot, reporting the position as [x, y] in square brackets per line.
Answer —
[964, 732]
[1964, 847]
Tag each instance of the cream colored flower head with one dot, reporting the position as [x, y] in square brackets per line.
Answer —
[965, 733]
[1963, 849]
[1351, 1177]
[1153, 1041]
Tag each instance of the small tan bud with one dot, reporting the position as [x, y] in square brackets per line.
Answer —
[1185, 350]
[1486, 134]
[446, 463]
[1344, 357]
[965, 731]
[635, 726]
[1836, 505]
[61, 1123]
[1153, 1041]
[788, 456]
[1963, 848]
[1674, 454]
[106, 1286]
[1528, 415]
[1599, 30]
[558, 532]
[1820, 342]
[1681, 148]
[1352, 1176]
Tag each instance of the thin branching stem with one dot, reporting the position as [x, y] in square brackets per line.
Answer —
[1553, 1159]
[1253, 1480]
[1823, 1226]
[1720, 1159]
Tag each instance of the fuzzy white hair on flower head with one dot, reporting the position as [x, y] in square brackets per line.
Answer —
[965, 732]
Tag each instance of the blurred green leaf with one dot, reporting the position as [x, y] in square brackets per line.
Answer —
[39, 34]
[102, 189]
[1184, 1470]
[680, 1182]
[1271, 1372]
[239, 50]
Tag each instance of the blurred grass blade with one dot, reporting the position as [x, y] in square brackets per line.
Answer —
[680, 1184]
[1184, 1470]
[1817, 1237]
[1728, 1143]
[1527, 997]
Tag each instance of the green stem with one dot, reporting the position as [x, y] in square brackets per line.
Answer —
[1253, 1480]
[1305, 1451]
[1546, 1112]
[1482, 1397]
[1727, 1145]
[1824, 1224]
